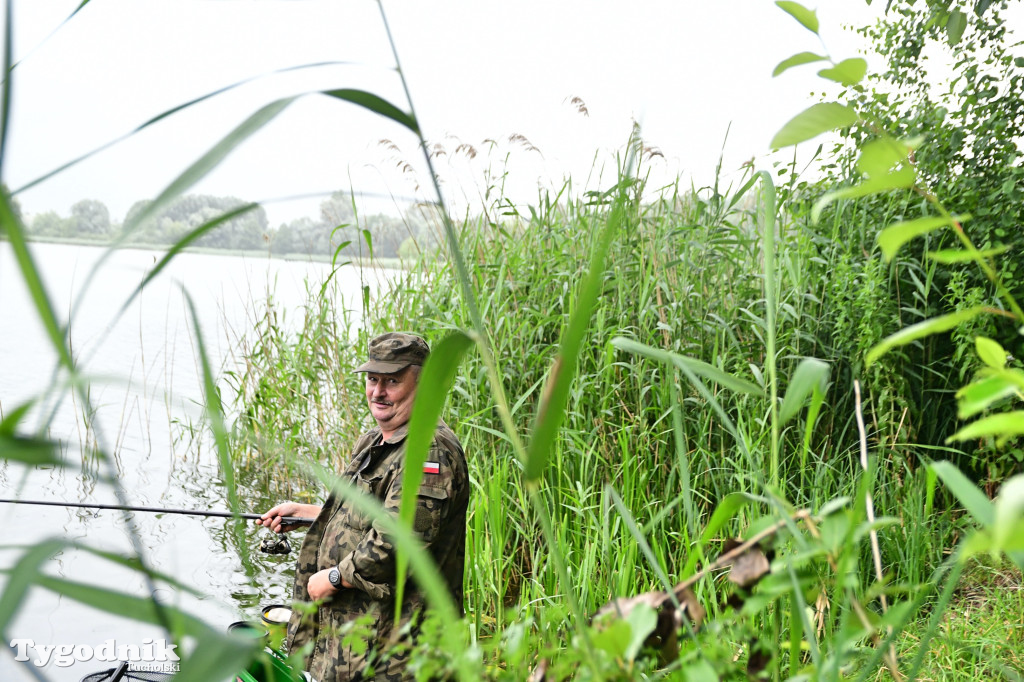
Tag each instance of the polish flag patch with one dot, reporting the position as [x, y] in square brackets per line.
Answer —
[431, 468]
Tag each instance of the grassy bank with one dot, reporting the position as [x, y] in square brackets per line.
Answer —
[649, 450]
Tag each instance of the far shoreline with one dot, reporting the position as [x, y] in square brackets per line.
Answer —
[359, 261]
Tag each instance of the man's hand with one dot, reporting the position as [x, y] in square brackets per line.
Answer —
[272, 518]
[320, 587]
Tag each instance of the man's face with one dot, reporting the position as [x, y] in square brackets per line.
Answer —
[390, 397]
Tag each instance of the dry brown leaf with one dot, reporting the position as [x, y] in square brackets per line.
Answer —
[749, 567]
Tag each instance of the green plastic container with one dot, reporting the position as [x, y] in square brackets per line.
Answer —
[271, 667]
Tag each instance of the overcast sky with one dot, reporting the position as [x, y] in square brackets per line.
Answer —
[477, 70]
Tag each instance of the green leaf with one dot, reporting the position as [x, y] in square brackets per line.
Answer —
[797, 60]
[935, 325]
[642, 620]
[436, 379]
[31, 451]
[701, 671]
[730, 505]
[886, 162]
[955, 26]
[978, 396]
[954, 256]
[811, 373]
[1009, 515]
[974, 501]
[698, 367]
[368, 238]
[990, 352]
[862, 190]
[377, 105]
[813, 121]
[898, 234]
[1002, 427]
[551, 406]
[848, 72]
[807, 18]
[614, 639]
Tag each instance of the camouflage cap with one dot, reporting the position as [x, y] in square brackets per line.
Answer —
[393, 352]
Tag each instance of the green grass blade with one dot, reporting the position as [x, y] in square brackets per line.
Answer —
[11, 225]
[5, 107]
[210, 160]
[435, 382]
[724, 512]
[23, 575]
[970, 496]
[177, 248]
[641, 541]
[551, 408]
[406, 541]
[193, 174]
[810, 374]
[216, 655]
[31, 451]
[78, 9]
[377, 105]
[165, 114]
[915, 332]
[215, 413]
[9, 424]
[698, 367]
[767, 214]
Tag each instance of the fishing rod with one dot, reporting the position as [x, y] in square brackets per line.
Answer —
[294, 520]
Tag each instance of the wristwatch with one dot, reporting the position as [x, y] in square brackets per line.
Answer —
[335, 577]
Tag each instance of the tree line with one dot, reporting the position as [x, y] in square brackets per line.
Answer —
[338, 227]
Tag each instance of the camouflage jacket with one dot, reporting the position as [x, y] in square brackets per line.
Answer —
[342, 536]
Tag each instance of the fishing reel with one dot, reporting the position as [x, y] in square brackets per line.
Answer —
[275, 543]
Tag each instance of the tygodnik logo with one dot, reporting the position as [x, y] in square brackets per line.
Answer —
[151, 655]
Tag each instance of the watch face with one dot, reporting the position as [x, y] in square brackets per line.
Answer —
[335, 577]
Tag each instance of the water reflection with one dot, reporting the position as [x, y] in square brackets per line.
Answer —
[146, 402]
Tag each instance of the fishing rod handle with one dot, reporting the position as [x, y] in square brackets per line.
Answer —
[297, 520]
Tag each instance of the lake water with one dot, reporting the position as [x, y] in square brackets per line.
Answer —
[145, 385]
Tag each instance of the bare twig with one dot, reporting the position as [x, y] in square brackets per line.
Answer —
[726, 559]
[890, 655]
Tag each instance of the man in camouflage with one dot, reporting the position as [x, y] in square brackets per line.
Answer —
[347, 563]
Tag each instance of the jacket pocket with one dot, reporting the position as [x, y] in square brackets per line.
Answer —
[353, 516]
